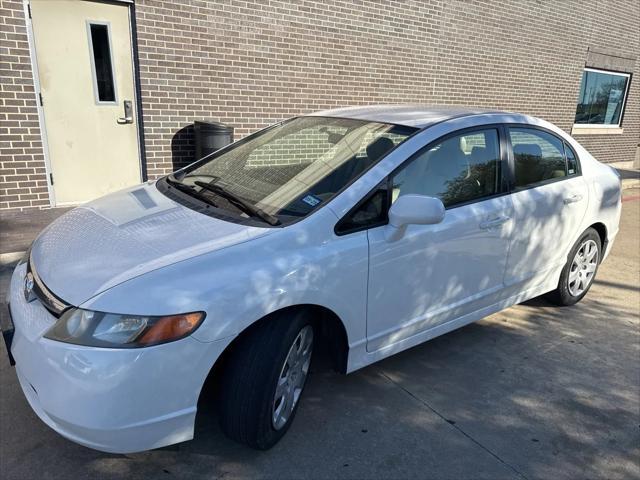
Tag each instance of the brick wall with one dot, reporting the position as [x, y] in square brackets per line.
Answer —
[618, 31]
[23, 181]
[250, 63]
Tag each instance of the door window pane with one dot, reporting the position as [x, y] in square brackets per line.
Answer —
[601, 98]
[538, 156]
[458, 170]
[101, 58]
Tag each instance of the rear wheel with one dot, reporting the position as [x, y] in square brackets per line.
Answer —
[264, 379]
[580, 270]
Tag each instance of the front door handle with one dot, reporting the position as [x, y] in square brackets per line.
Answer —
[128, 113]
[572, 199]
[494, 223]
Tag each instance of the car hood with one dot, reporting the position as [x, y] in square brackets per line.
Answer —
[123, 235]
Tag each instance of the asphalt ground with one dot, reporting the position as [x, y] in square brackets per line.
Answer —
[535, 391]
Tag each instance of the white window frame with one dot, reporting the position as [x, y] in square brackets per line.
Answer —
[617, 126]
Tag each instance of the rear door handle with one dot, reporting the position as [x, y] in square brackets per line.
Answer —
[572, 199]
[494, 223]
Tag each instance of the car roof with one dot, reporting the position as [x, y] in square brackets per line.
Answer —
[419, 116]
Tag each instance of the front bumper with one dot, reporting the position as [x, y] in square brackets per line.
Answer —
[114, 400]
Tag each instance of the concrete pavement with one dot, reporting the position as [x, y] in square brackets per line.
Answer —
[533, 392]
[19, 228]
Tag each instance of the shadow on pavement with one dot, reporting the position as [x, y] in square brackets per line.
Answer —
[535, 391]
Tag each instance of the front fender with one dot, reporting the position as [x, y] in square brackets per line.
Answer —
[238, 286]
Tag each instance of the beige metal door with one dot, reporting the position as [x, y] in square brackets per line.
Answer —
[85, 71]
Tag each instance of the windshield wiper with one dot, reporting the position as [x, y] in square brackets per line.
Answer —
[239, 202]
[189, 190]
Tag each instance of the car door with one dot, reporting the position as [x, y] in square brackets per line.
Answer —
[436, 273]
[550, 199]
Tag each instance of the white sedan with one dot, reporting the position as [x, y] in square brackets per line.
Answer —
[367, 229]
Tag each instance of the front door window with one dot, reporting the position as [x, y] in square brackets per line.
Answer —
[459, 170]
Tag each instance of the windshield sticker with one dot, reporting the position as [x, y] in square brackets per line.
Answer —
[311, 200]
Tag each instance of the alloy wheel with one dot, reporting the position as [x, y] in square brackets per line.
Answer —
[583, 268]
[292, 377]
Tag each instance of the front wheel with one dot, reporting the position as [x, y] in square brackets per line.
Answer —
[264, 379]
[579, 271]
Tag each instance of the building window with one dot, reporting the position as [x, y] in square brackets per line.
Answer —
[101, 63]
[602, 97]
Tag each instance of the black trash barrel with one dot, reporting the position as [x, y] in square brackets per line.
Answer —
[210, 136]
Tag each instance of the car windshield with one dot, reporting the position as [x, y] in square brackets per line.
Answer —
[289, 170]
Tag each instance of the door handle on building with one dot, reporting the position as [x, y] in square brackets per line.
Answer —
[572, 199]
[128, 113]
[494, 223]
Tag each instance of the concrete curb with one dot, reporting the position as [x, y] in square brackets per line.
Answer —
[632, 174]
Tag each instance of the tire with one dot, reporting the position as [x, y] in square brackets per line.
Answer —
[247, 405]
[578, 273]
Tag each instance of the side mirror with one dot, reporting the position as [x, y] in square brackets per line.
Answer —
[413, 210]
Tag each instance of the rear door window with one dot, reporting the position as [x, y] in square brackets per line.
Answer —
[538, 157]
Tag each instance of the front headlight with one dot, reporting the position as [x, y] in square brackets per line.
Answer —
[98, 329]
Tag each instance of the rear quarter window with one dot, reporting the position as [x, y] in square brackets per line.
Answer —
[573, 165]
